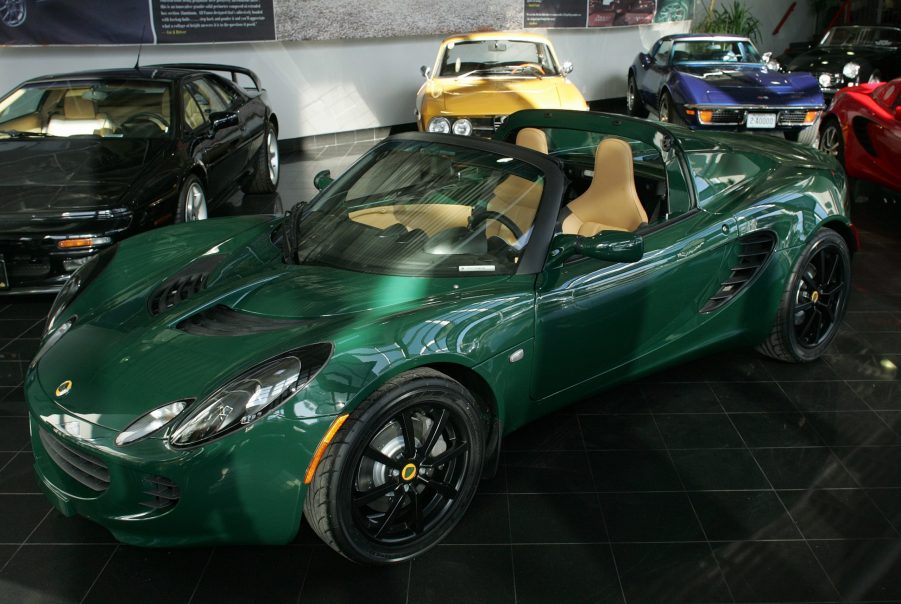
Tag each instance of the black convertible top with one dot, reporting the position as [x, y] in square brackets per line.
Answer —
[168, 72]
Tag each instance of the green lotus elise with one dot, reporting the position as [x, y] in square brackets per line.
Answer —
[358, 361]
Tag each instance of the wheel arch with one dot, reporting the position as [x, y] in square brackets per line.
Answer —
[273, 119]
[846, 231]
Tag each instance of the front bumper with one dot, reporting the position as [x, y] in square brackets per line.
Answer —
[246, 487]
[737, 117]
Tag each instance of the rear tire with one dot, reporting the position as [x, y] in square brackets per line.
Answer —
[266, 165]
[382, 493]
[807, 136]
[814, 301]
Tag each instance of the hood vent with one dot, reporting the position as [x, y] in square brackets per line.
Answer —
[184, 284]
[223, 321]
[753, 252]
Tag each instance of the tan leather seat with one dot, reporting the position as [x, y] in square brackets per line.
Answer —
[79, 117]
[611, 202]
[517, 197]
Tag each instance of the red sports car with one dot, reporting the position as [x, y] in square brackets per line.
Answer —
[862, 128]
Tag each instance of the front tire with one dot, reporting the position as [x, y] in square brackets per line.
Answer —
[191, 201]
[814, 302]
[266, 165]
[400, 472]
[633, 98]
[831, 140]
[668, 112]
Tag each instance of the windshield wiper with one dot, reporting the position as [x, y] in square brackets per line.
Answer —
[21, 134]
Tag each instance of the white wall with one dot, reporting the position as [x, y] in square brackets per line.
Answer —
[322, 87]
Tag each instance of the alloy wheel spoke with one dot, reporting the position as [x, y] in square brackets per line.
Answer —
[808, 280]
[389, 516]
[832, 289]
[374, 494]
[383, 459]
[827, 310]
[447, 455]
[804, 307]
[821, 266]
[406, 429]
[442, 488]
[416, 511]
[832, 270]
[811, 319]
[432, 439]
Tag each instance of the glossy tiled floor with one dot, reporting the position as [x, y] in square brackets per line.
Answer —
[731, 479]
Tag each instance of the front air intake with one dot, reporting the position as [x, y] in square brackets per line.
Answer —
[754, 250]
[81, 466]
[188, 282]
[161, 492]
[221, 320]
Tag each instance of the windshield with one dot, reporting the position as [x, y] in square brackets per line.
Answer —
[497, 57]
[715, 51]
[118, 109]
[862, 36]
[424, 208]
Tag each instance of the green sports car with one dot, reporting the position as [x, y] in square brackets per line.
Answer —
[358, 361]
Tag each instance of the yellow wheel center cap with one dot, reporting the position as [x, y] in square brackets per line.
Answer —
[815, 296]
[408, 472]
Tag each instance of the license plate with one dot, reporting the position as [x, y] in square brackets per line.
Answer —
[761, 120]
[4, 278]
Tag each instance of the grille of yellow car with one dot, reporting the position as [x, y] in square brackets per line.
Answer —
[82, 467]
[754, 249]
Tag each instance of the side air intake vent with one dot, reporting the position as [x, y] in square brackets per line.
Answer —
[187, 282]
[161, 492]
[83, 467]
[223, 321]
[753, 252]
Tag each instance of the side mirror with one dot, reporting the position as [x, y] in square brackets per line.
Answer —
[220, 120]
[322, 179]
[426, 71]
[611, 246]
[567, 67]
[766, 57]
[645, 60]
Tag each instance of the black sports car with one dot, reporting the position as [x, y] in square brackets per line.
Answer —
[89, 158]
[849, 55]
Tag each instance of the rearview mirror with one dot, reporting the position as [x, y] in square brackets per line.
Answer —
[645, 60]
[611, 246]
[426, 71]
[223, 119]
[567, 67]
[322, 179]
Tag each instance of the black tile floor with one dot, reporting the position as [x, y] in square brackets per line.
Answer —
[730, 479]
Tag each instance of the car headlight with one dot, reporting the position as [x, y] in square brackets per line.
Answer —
[825, 80]
[150, 423]
[251, 395]
[439, 124]
[463, 127]
[77, 282]
[850, 70]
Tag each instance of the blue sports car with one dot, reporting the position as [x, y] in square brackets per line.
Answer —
[722, 82]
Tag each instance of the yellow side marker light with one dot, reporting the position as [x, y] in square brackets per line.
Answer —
[323, 445]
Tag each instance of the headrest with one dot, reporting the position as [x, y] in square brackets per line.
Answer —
[532, 138]
[614, 156]
[77, 108]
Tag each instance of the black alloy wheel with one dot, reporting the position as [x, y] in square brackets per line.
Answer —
[814, 301]
[401, 471]
[820, 296]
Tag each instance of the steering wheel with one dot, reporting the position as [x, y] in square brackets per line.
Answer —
[146, 116]
[478, 218]
[525, 66]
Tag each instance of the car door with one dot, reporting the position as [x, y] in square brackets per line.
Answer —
[656, 72]
[597, 319]
[886, 135]
[216, 149]
[251, 119]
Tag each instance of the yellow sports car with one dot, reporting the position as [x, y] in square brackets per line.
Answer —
[479, 79]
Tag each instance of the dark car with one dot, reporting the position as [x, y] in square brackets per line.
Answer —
[851, 55]
[87, 159]
[720, 82]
